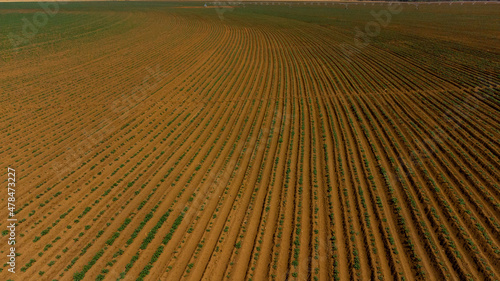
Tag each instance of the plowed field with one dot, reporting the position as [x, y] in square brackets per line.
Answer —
[153, 141]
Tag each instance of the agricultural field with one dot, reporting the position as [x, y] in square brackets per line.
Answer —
[173, 141]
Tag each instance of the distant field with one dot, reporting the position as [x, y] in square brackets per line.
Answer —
[168, 141]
